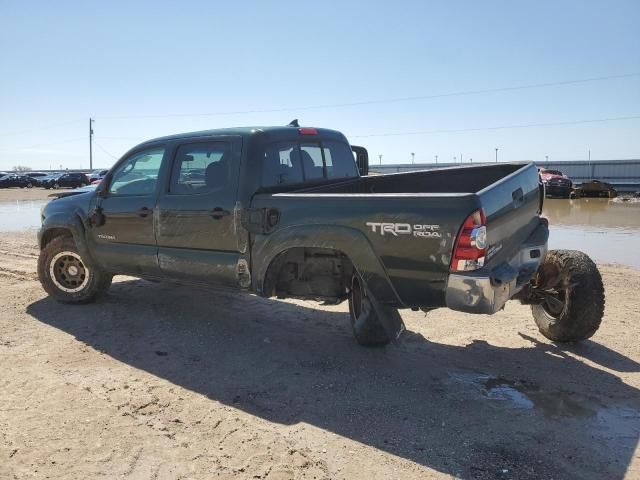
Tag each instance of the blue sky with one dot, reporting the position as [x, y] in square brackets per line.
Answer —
[65, 61]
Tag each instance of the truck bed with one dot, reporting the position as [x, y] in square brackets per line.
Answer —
[463, 179]
[418, 267]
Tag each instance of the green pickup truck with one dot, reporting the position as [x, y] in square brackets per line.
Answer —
[291, 212]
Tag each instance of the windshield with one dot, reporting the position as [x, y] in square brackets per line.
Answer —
[298, 162]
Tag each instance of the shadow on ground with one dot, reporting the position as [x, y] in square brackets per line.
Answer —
[478, 411]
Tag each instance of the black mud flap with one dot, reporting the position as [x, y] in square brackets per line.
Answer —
[389, 318]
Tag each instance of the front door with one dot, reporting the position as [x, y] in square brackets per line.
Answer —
[124, 242]
[196, 228]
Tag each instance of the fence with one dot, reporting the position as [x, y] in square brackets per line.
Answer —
[624, 175]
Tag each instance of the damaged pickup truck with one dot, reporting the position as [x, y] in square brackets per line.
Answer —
[291, 212]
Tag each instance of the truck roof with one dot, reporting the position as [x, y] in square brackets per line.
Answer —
[271, 133]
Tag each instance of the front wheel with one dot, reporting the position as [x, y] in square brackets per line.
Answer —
[365, 323]
[573, 301]
[65, 276]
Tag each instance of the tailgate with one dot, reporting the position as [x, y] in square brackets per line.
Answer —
[512, 208]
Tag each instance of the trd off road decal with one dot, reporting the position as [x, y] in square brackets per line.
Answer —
[396, 229]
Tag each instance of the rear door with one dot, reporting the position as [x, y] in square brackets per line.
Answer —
[196, 231]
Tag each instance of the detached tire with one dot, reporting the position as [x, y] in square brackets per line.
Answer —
[366, 326]
[64, 275]
[575, 310]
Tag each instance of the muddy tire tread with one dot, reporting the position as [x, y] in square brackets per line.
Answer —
[582, 317]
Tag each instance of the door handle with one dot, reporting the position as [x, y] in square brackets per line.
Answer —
[218, 212]
[144, 211]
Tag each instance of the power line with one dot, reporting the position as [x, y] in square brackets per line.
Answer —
[393, 134]
[338, 105]
[104, 149]
[501, 127]
[377, 101]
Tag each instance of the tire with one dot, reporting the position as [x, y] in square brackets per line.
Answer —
[65, 277]
[578, 308]
[366, 326]
[29, 185]
[56, 186]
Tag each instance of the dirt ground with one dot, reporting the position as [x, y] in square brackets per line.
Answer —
[163, 381]
[25, 193]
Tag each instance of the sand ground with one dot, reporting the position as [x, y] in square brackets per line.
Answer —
[25, 193]
[164, 381]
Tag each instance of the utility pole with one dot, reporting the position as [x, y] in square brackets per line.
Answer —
[546, 157]
[589, 154]
[436, 159]
[91, 143]
[413, 158]
[496, 154]
[380, 157]
[460, 158]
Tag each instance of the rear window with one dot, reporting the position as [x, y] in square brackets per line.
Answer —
[293, 162]
[339, 160]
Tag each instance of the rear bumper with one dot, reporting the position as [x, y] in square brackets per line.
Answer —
[488, 292]
[557, 190]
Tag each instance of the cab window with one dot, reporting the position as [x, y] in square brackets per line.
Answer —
[292, 162]
[312, 164]
[282, 164]
[200, 168]
[138, 175]
[339, 160]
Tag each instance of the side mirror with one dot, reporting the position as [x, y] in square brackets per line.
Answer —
[101, 190]
[362, 160]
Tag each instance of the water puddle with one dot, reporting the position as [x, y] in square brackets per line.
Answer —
[606, 230]
[18, 215]
[524, 395]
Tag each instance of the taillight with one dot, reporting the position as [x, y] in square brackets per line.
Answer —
[307, 131]
[471, 245]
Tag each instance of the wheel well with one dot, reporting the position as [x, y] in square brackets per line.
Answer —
[309, 273]
[54, 233]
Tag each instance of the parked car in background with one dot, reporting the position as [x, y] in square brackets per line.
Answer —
[66, 180]
[13, 180]
[596, 188]
[47, 177]
[556, 183]
[97, 175]
[36, 178]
